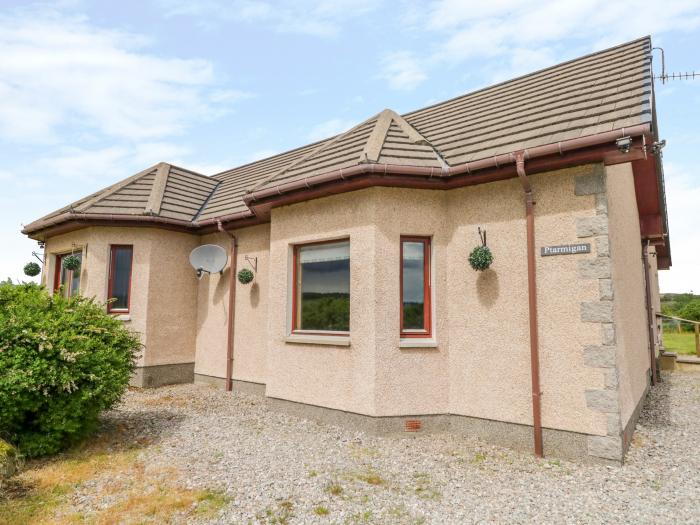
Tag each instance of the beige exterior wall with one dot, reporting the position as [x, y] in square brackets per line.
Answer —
[163, 287]
[250, 335]
[490, 352]
[629, 288]
[480, 365]
[331, 376]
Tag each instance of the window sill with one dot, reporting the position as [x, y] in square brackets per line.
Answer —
[417, 342]
[122, 317]
[330, 340]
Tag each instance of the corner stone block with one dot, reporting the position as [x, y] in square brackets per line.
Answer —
[604, 401]
[597, 312]
[612, 379]
[607, 333]
[602, 246]
[594, 268]
[605, 289]
[590, 226]
[614, 424]
[591, 183]
[607, 447]
[601, 204]
[599, 356]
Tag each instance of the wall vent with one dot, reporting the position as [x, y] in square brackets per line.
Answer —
[412, 425]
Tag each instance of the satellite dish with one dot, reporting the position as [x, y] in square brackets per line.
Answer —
[208, 258]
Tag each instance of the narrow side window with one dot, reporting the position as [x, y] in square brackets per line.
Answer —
[119, 288]
[415, 287]
[321, 288]
[68, 281]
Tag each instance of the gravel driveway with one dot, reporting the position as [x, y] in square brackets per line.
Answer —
[280, 469]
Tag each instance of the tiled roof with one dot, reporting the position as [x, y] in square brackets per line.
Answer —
[600, 92]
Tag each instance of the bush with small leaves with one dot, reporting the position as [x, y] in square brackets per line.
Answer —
[245, 276]
[32, 269]
[62, 362]
[481, 258]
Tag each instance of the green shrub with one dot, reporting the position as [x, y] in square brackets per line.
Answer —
[62, 362]
[690, 311]
[245, 276]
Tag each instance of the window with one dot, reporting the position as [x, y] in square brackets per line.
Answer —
[321, 287]
[119, 288]
[68, 281]
[415, 287]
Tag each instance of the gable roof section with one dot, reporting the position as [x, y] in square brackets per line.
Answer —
[598, 93]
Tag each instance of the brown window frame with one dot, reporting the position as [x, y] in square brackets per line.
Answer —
[112, 261]
[59, 270]
[296, 248]
[427, 331]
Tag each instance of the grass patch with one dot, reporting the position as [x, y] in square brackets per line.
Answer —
[683, 343]
[424, 488]
[42, 493]
[321, 511]
[280, 515]
[334, 488]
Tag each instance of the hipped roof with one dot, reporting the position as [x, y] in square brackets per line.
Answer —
[604, 91]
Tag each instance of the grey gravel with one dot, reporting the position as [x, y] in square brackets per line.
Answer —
[278, 468]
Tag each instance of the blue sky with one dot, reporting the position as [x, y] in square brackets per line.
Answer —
[91, 92]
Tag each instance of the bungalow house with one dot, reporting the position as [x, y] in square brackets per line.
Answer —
[364, 308]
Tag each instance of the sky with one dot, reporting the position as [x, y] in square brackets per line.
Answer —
[92, 92]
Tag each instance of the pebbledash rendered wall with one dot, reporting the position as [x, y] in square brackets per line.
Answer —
[163, 293]
[474, 377]
[593, 336]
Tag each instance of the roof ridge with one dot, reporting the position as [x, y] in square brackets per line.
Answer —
[377, 139]
[111, 190]
[155, 198]
[312, 153]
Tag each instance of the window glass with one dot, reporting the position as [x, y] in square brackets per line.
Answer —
[120, 278]
[69, 280]
[323, 287]
[415, 287]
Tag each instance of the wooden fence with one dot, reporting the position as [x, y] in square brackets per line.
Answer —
[695, 324]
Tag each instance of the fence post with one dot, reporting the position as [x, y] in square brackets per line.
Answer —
[697, 339]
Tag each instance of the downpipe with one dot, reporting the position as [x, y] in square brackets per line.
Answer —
[532, 300]
[650, 317]
[231, 306]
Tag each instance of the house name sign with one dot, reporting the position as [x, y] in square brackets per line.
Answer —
[565, 249]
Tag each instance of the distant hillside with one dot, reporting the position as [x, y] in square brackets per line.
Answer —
[672, 303]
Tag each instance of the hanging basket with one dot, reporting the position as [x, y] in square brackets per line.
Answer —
[71, 262]
[245, 276]
[481, 257]
[32, 269]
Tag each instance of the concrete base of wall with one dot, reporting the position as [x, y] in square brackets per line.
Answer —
[247, 387]
[161, 375]
[557, 443]
[628, 431]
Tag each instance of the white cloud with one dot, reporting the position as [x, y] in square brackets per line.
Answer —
[58, 71]
[329, 128]
[524, 35]
[402, 70]
[308, 17]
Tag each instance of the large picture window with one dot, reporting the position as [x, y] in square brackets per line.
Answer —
[321, 287]
[67, 281]
[119, 289]
[415, 287]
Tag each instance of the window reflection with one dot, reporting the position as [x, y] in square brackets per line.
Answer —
[323, 287]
